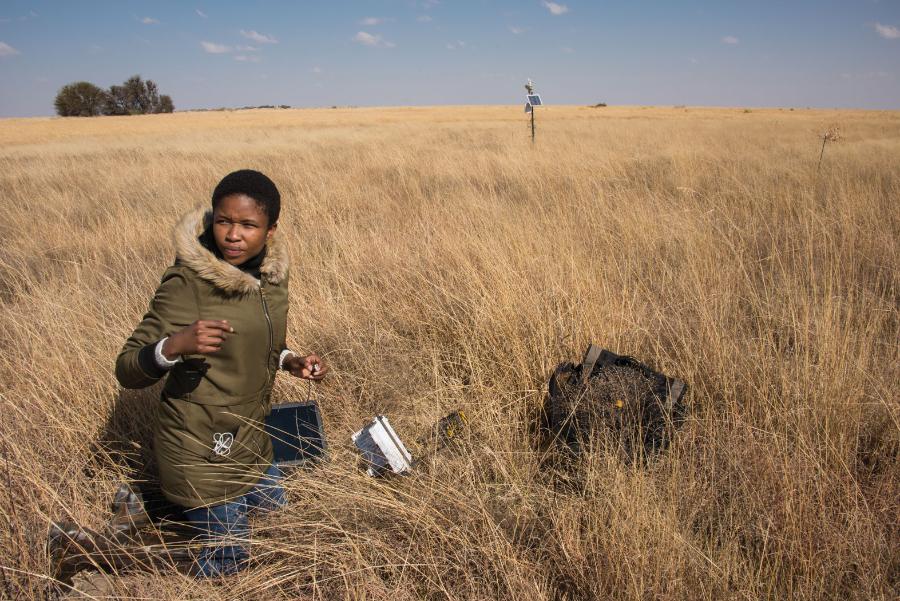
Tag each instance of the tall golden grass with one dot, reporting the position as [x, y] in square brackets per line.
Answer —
[441, 261]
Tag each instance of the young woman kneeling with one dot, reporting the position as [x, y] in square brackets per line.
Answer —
[216, 330]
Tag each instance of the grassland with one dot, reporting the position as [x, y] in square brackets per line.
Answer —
[441, 261]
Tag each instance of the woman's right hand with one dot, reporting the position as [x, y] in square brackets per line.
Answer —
[202, 337]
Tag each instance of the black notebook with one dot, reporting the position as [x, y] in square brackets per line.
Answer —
[296, 432]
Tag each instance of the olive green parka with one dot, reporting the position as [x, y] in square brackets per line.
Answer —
[209, 440]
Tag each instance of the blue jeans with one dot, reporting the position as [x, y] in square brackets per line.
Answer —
[224, 528]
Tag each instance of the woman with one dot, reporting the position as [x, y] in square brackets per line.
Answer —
[216, 328]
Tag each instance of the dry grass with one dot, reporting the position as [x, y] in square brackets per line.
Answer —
[440, 261]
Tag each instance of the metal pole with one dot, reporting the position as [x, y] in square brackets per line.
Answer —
[532, 125]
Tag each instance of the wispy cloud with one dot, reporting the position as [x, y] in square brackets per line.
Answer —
[869, 76]
[888, 32]
[554, 8]
[368, 39]
[317, 70]
[201, 14]
[257, 37]
[7, 50]
[457, 45]
[246, 58]
[31, 15]
[424, 19]
[568, 49]
[213, 48]
[517, 30]
[373, 21]
[150, 21]
[247, 49]
[730, 39]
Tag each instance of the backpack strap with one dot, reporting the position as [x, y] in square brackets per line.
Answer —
[676, 391]
[587, 364]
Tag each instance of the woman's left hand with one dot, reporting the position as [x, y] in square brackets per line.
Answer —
[310, 367]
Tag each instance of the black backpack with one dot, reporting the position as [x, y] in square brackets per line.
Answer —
[612, 398]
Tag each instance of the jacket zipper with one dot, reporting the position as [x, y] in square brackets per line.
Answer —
[265, 307]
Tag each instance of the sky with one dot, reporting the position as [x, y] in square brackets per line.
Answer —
[205, 54]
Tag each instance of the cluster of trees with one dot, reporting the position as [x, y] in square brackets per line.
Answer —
[134, 97]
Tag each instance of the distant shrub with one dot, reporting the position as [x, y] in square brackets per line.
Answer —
[79, 99]
[598, 105]
[137, 97]
[165, 104]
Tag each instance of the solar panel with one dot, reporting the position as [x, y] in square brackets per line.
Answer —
[534, 100]
[296, 432]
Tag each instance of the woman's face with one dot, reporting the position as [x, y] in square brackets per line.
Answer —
[240, 228]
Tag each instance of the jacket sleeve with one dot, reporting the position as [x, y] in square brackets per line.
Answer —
[173, 307]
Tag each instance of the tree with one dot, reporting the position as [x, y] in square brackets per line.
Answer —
[131, 98]
[116, 102]
[138, 97]
[165, 104]
[79, 99]
[150, 98]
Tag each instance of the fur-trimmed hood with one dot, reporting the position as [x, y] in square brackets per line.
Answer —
[217, 272]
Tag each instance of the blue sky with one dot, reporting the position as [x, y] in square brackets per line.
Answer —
[821, 53]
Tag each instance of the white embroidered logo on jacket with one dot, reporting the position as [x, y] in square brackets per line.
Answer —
[222, 442]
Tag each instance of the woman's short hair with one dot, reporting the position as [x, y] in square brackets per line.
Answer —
[255, 185]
